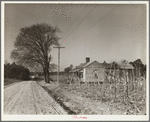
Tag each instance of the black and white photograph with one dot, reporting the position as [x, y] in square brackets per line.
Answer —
[79, 60]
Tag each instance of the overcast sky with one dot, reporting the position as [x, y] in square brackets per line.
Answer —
[108, 33]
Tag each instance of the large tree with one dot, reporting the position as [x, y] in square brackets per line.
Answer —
[33, 45]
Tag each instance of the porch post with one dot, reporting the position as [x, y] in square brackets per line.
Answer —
[84, 75]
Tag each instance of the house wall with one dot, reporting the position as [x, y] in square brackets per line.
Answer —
[94, 72]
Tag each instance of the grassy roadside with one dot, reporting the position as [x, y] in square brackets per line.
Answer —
[10, 81]
[59, 100]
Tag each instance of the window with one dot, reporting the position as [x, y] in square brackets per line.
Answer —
[95, 74]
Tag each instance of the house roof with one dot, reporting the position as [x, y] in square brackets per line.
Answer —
[110, 65]
[121, 66]
[79, 67]
[126, 66]
[82, 66]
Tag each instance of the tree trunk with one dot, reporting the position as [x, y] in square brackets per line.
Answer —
[47, 76]
[46, 73]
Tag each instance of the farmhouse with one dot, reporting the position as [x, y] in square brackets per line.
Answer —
[90, 71]
[98, 72]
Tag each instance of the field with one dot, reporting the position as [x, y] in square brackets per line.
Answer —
[128, 96]
[77, 105]
[113, 95]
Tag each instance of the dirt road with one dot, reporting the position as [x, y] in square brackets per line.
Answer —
[28, 97]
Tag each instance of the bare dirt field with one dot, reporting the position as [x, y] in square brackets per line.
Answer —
[28, 97]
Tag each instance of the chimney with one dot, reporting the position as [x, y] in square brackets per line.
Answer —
[87, 59]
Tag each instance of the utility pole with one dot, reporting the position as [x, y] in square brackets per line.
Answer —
[58, 62]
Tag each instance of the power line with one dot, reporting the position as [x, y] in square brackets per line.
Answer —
[98, 21]
[74, 20]
[81, 22]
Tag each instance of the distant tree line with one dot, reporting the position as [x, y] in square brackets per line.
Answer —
[16, 71]
[139, 68]
[68, 69]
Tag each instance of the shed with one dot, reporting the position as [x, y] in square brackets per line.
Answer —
[118, 70]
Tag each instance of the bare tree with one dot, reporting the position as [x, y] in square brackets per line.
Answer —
[33, 46]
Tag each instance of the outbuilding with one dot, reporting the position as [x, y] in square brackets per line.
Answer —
[118, 70]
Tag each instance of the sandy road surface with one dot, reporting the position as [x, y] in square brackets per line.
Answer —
[28, 97]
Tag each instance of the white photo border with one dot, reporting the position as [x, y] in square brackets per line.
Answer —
[70, 117]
